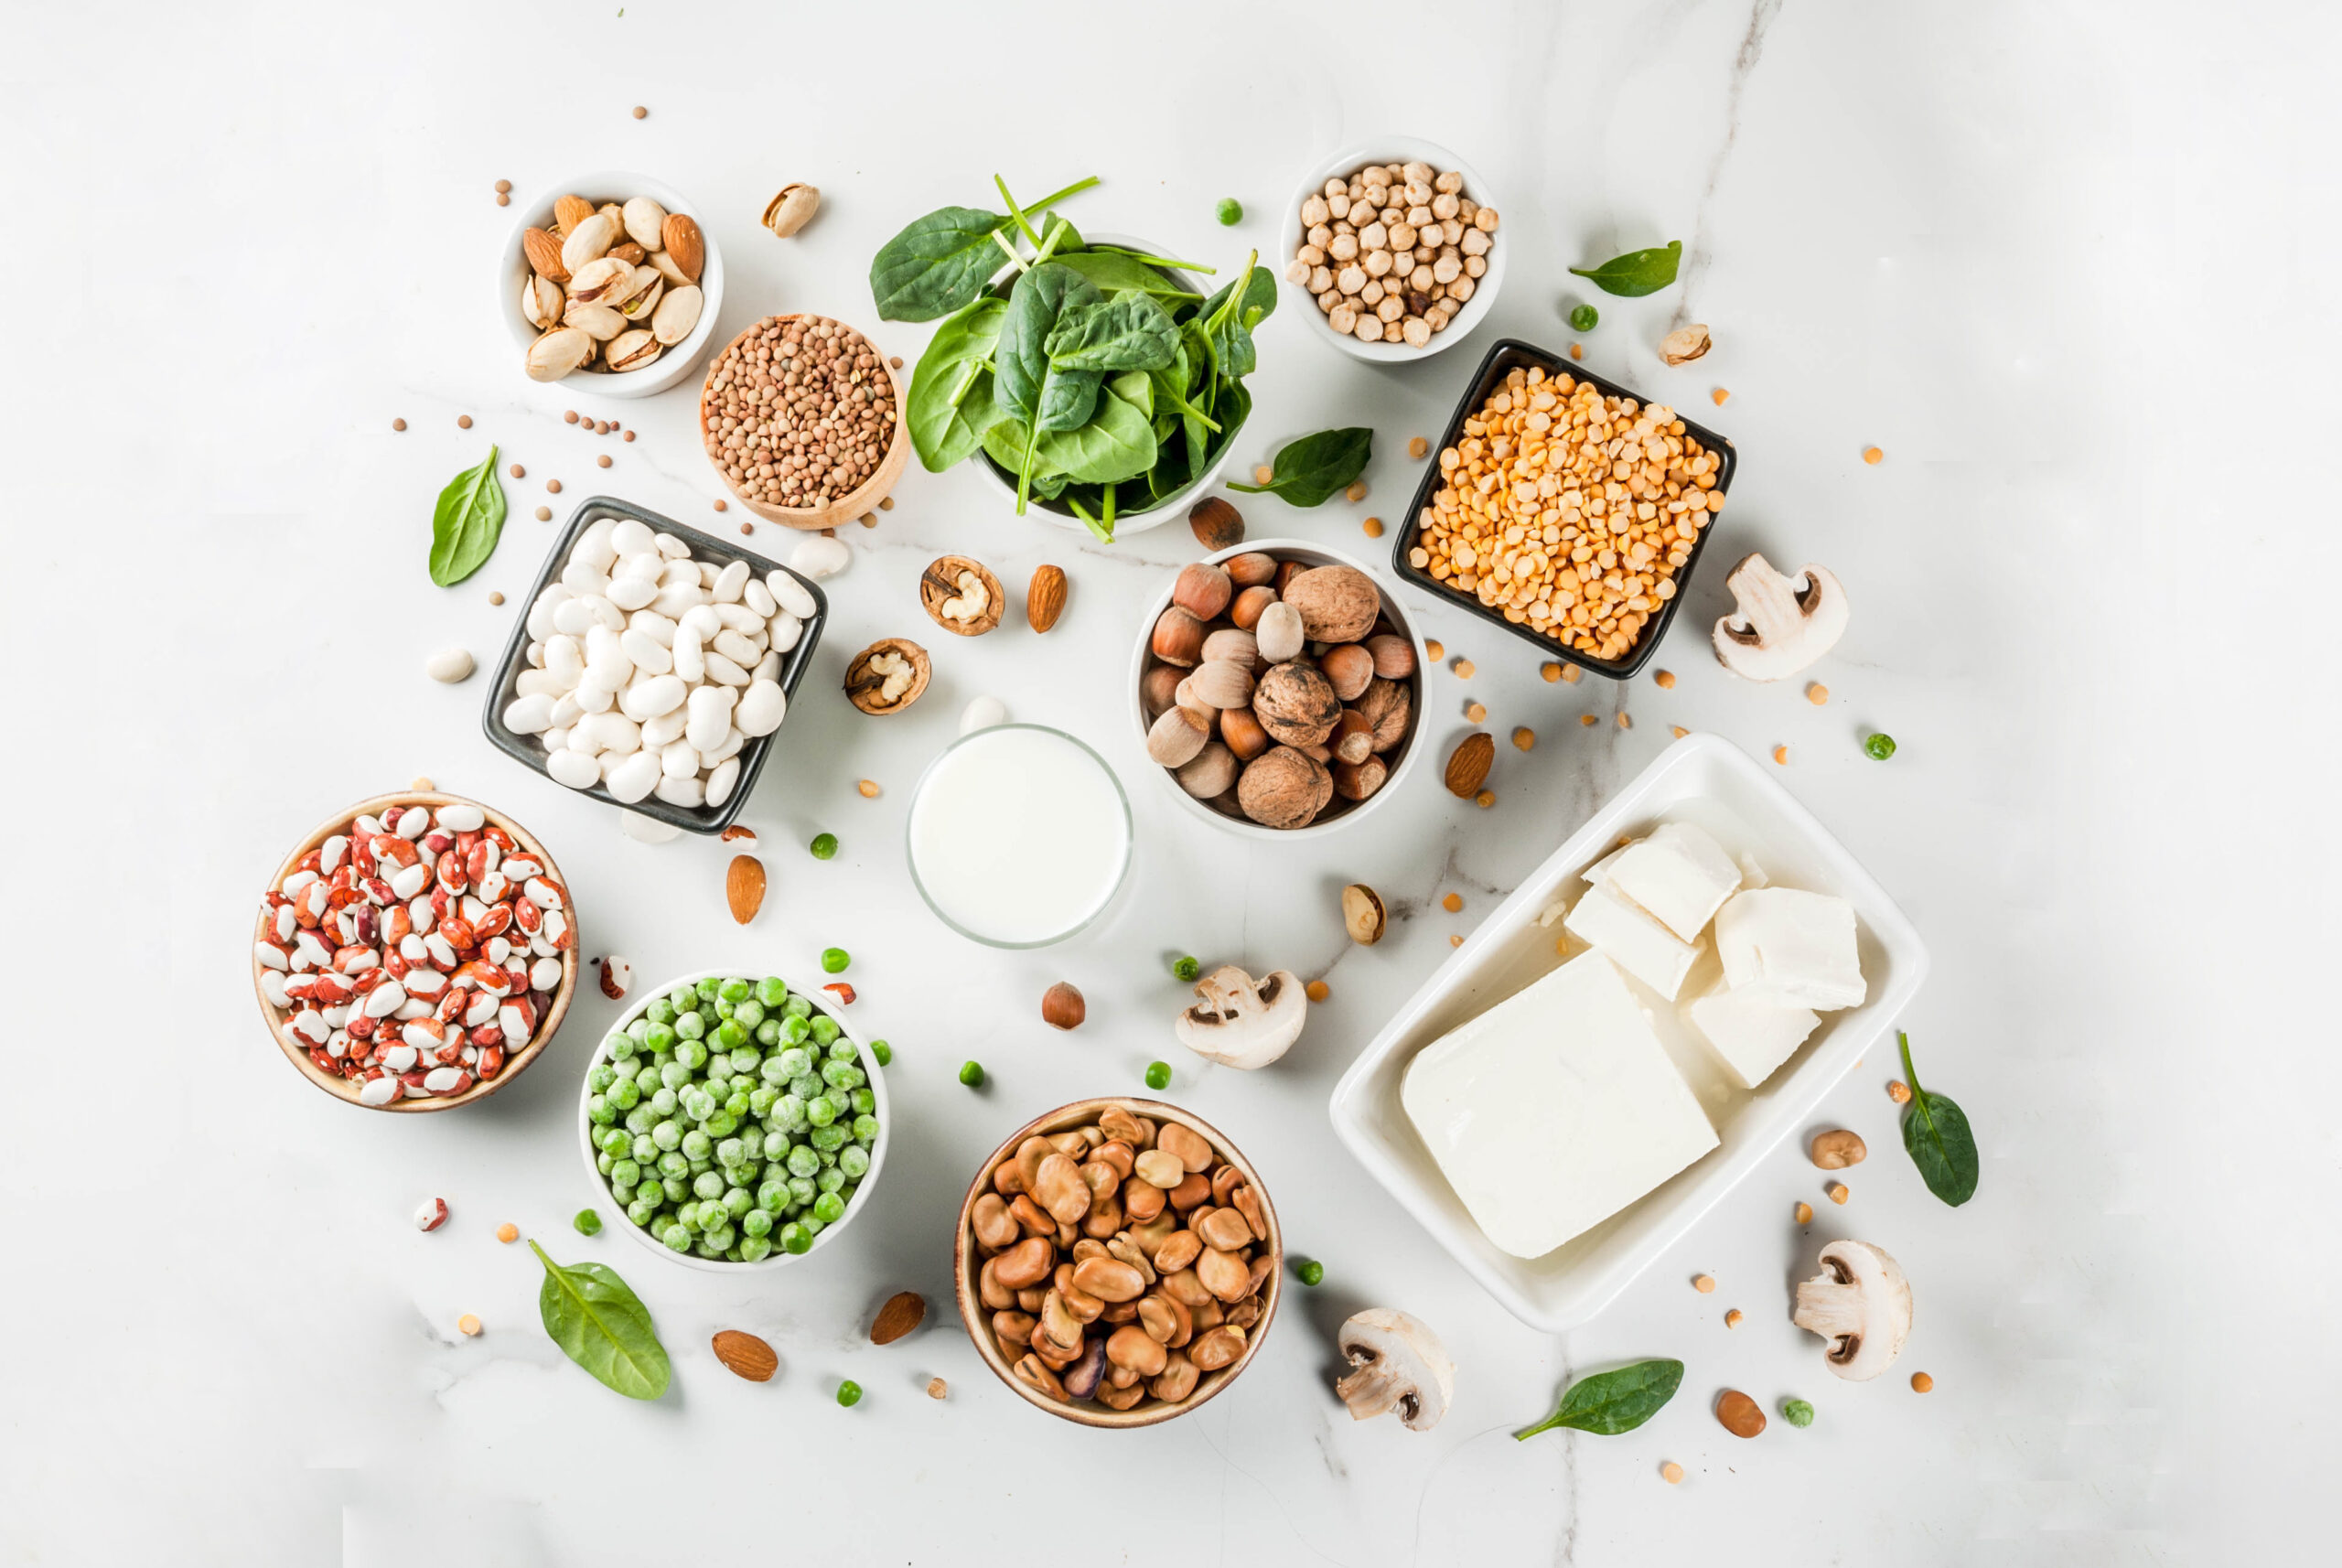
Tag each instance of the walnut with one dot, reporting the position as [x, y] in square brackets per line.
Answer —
[1283, 788]
[1386, 705]
[1338, 604]
[1295, 704]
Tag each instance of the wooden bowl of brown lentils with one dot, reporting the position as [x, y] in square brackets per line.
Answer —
[801, 417]
[1118, 1263]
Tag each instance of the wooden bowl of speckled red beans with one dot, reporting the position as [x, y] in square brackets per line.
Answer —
[506, 1037]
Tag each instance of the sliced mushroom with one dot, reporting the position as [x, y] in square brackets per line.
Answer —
[1780, 623]
[1397, 1363]
[1241, 1021]
[1861, 1304]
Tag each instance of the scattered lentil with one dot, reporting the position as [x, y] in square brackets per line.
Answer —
[895, 361]
[423, 781]
[1899, 1091]
[463, 422]
[1782, 754]
[1839, 1192]
[1356, 493]
[1484, 799]
[569, 415]
[603, 461]
[1317, 991]
[1665, 680]
[553, 487]
[468, 1324]
[1524, 738]
[629, 435]
[1732, 1318]
[1452, 903]
[1671, 1473]
[1373, 527]
[544, 514]
[398, 424]
[507, 1233]
[869, 788]
[503, 199]
[1818, 695]
[886, 503]
[1418, 448]
[518, 472]
[503, 187]
[1577, 351]
[1474, 712]
[1805, 1214]
[747, 528]
[639, 111]
[1626, 720]
[722, 505]
[1703, 1283]
[1921, 1383]
[495, 598]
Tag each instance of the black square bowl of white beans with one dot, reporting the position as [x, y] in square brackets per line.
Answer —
[653, 665]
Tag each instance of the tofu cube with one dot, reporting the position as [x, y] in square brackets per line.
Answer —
[1797, 947]
[1555, 1109]
[1680, 874]
[1749, 1030]
[1636, 943]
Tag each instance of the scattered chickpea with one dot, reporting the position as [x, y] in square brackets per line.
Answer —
[869, 788]
[1417, 447]
[1921, 1383]
[544, 514]
[1732, 1318]
[1586, 719]
[639, 111]
[1435, 648]
[569, 416]
[1681, 732]
[1805, 1214]
[1464, 669]
[868, 520]
[421, 781]
[507, 1233]
[1665, 680]
[1356, 493]
[629, 435]
[1671, 1473]
[469, 1324]
[1782, 754]
[1703, 1283]
[1317, 991]
[1718, 396]
[1262, 473]
[553, 487]
[495, 598]
[1552, 673]
[747, 528]
[1572, 674]
[1476, 712]
[463, 422]
[936, 1388]
[398, 424]
[1373, 527]
[518, 472]
[722, 505]
[603, 461]
[1626, 720]
[503, 187]
[895, 361]
[1873, 456]
[1839, 1192]
[1899, 1091]
[1453, 903]
[1484, 799]
[1524, 738]
[1818, 695]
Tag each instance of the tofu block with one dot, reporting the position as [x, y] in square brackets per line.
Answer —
[1636, 943]
[1554, 1109]
[1680, 874]
[1751, 873]
[1753, 1032]
[1600, 870]
[1797, 947]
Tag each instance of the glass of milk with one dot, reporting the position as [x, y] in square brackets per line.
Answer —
[1019, 835]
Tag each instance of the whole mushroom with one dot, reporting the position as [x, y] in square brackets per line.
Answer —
[1861, 1304]
[1243, 1022]
[1397, 1363]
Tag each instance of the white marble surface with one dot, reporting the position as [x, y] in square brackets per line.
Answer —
[2064, 263]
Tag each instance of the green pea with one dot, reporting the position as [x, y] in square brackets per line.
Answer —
[675, 1074]
[1878, 747]
[721, 1008]
[849, 1393]
[730, 1152]
[972, 1074]
[827, 1140]
[680, 1000]
[823, 845]
[600, 1111]
[1187, 968]
[672, 1164]
[707, 1184]
[830, 1180]
[882, 1053]
[801, 1190]
[1796, 1413]
[824, 1030]
[738, 1202]
[708, 990]
[690, 1026]
[735, 990]
[625, 1172]
[1311, 1272]
[1584, 318]
[1231, 213]
[660, 1011]
[865, 1102]
[829, 1209]
[793, 1240]
[677, 1239]
[614, 1141]
[645, 1149]
[692, 1054]
[833, 961]
[603, 1163]
[800, 1006]
[749, 1013]
[805, 1086]
[771, 991]
[854, 1162]
[794, 1029]
[865, 1129]
[600, 1076]
[663, 1101]
[731, 1035]
[668, 1135]
[672, 1186]
[662, 1037]
[773, 1196]
[754, 1248]
[1158, 1075]
[768, 1032]
[842, 1050]
[641, 1210]
[588, 1223]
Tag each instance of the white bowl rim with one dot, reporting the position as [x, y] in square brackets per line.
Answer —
[1154, 517]
[1387, 149]
[674, 365]
[1400, 621]
[870, 1065]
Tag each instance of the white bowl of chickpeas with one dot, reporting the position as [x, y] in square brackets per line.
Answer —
[1342, 268]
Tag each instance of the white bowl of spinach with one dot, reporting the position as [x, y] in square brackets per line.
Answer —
[1092, 379]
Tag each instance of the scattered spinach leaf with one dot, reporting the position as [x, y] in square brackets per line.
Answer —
[1611, 1403]
[1936, 1135]
[950, 405]
[603, 1326]
[1638, 271]
[1315, 468]
[465, 523]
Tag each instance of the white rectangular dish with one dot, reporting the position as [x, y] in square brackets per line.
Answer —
[1700, 779]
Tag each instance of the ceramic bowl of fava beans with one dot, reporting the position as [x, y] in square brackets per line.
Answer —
[1118, 1263]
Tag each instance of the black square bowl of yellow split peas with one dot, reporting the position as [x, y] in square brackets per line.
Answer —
[1560, 507]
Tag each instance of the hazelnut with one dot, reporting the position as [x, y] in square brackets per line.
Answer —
[1387, 706]
[1062, 1007]
[1222, 684]
[1349, 667]
[1203, 590]
[1296, 704]
[1286, 572]
[1216, 524]
[1179, 637]
[1353, 737]
[1236, 646]
[1204, 714]
[1357, 780]
[1279, 633]
[1210, 773]
[1157, 687]
[1243, 734]
[1338, 604]
[1251, 605]
[1395, 656]
[1283, 789]
[1174, 737]
[1250, 569]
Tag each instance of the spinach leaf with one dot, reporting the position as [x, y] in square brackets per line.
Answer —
[1116, 444]
[465, 523]
[1316, 468]
[1611, 1403]
[1031, 389]
[603, 1326]
[1637, 271]
[1230, 327]
[936, 265]
[1127, 332]
[1936, 1135]
[1117, 271]
[950, 405]
[1004, 445]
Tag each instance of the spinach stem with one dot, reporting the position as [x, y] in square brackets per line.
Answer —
[1025, 469]
[1166, 262]
[975, 369]
[1076, 188]
[1010, 250]
[1105, 535]
[1192, 412]
[1918, 1095]
[1110, 509]
[1016, 212]
[1059, 229]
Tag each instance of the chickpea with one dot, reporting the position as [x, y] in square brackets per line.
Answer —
[1402, 235]
[1338, 204]
[1320, 236]
[1378, 263]
[1443, 205]
[1341, 247]
[1314, 211]
[1369, 329]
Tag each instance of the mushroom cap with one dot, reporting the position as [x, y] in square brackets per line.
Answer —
[1397, 1363]
[1780, 623]
[1242, 1023]
[1861, 1304]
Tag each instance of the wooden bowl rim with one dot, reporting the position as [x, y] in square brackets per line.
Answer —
[932, 603]
[974, 1318]
[922, 667]
[846, 507]
[518, 1061]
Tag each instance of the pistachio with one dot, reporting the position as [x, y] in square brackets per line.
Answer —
[542, 301]
[638, 296]
[598, 322]
[632, 350]
[791, 209]
[676, 277]
[558, 352]
[590, 240]
[603, 281]
[643, 217]
[677, 313]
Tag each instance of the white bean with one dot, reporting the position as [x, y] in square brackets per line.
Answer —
[528, 715]
[570, 618]
[632, 593]
[654, 625]
[721, 669]
[564, 661]
[721, 781]
[821, 555]
[790, 594]
[673, 601]
[583, 579]
[574, 768]
[758, 598]
[632, 779]
[656, 731]
[630, 536]
[731, 580]
[540, 683]
[646, 652]
[679, 759]
[594, 545]
[449, 665]
[691, 657]
[738, 649]
[786, 629]
[672, 548]
[710, 715]
[730, 746]
[685, 793]
[650, 698]
[761, 709]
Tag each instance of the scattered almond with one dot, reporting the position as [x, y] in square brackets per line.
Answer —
[904, 1311]
[1468, 768]
[1045, 598]
[744, 887]
[746, 1355]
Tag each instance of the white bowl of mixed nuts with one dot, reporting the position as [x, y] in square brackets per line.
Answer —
[1341, 269]
[611, 283]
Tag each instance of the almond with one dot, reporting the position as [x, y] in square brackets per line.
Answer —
[684, 246]
[743, 884]
[747, 1355]
[1045, 600]
[1467, 769]
[569, 211]
[904, 1311]
[544, 254]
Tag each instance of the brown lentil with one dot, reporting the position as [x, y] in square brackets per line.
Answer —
[503, 187]
[398, 424]
[569, 415]
[1418, 448]
[603, 461]
[502, 199]
[1524, 738]
[553, 487]
[463, 422]
[1921, 1383]
[544, 514]
[722, 505]
[423, 781]
[495, 598]
[800, 412]
[1315, 991]
[629, 435]
[895, 360]
[639, 111]
[886, 503]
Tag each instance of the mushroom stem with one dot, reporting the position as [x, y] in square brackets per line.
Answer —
[1831, 1307]
[1374, 1388]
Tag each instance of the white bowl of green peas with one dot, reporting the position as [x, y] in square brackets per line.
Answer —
[714, 1152]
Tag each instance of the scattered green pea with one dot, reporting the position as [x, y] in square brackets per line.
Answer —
[1796, 1413]
[1158, 1075]
[823, 845]
[1311, 1272]
[883, 1053]
[849, 1393]
[833, 961]
[1878, 746]
[1230, 211]
[1187, 968]
[972, 1073]
[588, 1223]
[1584, 318]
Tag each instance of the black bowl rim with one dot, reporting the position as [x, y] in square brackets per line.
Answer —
[523, 749]
[1503, 356]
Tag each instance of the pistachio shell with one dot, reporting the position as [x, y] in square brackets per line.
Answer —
[642, 217]
[640, 295]
[677, 313]
[557, 353]
[589, 241]
[598, 322]
[600, 281]
[631, 350]
[540, 303]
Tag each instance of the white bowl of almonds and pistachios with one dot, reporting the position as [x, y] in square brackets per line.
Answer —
[611, 282]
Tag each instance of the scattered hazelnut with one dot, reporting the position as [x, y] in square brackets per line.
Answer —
[1216, 524]
[1062, 1006]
